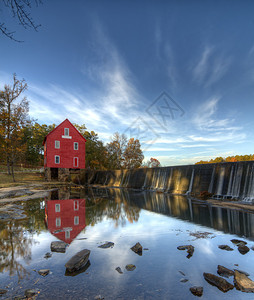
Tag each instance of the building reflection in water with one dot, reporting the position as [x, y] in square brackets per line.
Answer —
[65, 219]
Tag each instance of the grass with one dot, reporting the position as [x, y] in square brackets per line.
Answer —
[21, 178]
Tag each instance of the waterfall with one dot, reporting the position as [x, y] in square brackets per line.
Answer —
[191, 182]
[210, 189]
[250, 193]
[220, 181]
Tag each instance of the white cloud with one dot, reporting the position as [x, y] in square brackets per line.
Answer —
[201, 69]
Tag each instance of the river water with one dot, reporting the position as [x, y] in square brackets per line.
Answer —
[86, 219]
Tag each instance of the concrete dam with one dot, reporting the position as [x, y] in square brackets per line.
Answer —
[231, 180]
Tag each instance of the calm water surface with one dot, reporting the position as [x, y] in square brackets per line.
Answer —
[86, 219]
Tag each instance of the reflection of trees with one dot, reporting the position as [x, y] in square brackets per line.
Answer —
[35, 214]
[14, 244]
[115, 206]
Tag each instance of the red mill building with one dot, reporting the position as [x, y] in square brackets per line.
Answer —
[64, 150]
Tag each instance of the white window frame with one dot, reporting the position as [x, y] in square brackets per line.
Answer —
[57, 144]
[57, 207]
[66, 130]
[76, 220]
[58, 222]
[75, 144]
[56, 159]
[76, 166]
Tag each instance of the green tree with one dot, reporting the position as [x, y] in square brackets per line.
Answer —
[13, 119]
[116, 150]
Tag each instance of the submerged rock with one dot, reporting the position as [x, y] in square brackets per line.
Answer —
[78, 261]
[243, 283]
[225, 247]
[189, 248]
[30, 293]
[130, 267]
[107, 245]
[119, 270]
[58, 246]
[2, 291]
[243, 249]
[197, 290]
[43, 272]
[137, 248]
[219, 282]
[184, 280]
[243, 272]
[47, 255]
[225, 272]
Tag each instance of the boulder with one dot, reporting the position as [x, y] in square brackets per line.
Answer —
[225, 272]
[197, 290]
[30, 293]
[219, 282]
[225, 247]
[243, 272]
[58, 246]
[137, 248]
[82, 270]
[189, 248]
[107, 245]
[243, 249]
[78, 261]
[243, 283]
[43, 272]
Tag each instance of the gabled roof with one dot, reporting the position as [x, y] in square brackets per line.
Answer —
[60, 125]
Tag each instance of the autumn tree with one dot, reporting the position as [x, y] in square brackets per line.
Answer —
[132, 155]
[123, 153]
[13, 119]
[116, 150]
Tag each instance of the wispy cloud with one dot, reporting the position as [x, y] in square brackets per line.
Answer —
[211, 66]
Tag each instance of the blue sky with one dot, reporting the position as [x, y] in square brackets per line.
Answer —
[178, 75]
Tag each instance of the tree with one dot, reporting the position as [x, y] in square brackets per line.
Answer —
[132, 155]
[116, 150]
[13, 119]
[20, 11]
[34, 134]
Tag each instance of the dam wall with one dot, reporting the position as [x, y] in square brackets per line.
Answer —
[231, 180]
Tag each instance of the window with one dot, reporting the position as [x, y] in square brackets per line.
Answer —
[75, 162]
[76, 205]
[58, 222]
[76, 220]
[57, 159]
[57, 207]
[57, 144]
[67, 234]
[66, 131]
[75, 145]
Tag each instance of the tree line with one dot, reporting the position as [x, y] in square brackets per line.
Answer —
[234, 158]
[21, 138]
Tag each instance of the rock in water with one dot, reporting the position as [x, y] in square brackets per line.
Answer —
[243, 283]
[30, 293]
[225, 247]
[43, 272]
[119, 270]
[243, 249]
[78, 261]
[189, 248]
[58, 246]
[225, 272]
[130, 267]
[107, 245]
[2, 291]
[137, 248]
[238, 242]
[219, 282]
[197, 290]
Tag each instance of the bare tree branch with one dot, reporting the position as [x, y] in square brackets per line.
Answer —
[20, 11]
